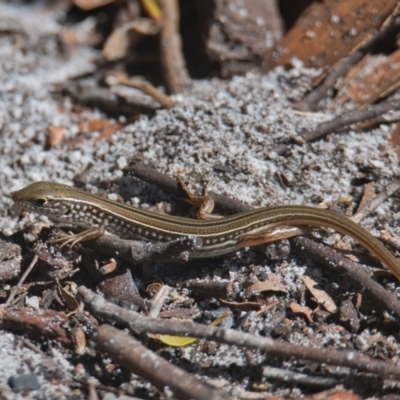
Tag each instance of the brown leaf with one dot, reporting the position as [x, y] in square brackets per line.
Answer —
[56, 135]
[95, 124]
[319, 294]
[69, 299]
[108, 131]
[369, 194]
[117, 44]
[273, 284]
[302, 310]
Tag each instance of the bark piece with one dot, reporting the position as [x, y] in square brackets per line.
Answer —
[329, 31]
[375, 77]
[349, 316]
[120, 286]
[43, 324]
[241, 32]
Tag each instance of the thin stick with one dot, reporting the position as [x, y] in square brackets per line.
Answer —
[146, 87]
[341, 121]
[172, 58]
[131, 354]
[140, 324]
[16, 288]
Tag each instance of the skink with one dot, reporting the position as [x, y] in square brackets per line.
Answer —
[63, 203]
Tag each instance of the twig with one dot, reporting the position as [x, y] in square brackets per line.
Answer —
[172, 58]
[383, 300]
[311, 100]
[297, 378]
[107, 101]
[341, 121]
[131, 354]
[140, 324]
[146, 87]
[99, 386]
[166, 182]
[224, 289]
[27, 343]
[376, 201]
[158, 301]
[16, 288]
[138, 252]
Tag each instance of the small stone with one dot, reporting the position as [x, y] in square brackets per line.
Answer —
[19, 383]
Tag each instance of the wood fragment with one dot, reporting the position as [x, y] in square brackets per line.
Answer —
[348, 316]
[219, 289]
[240, 32]
[42, 324]
[375, 77]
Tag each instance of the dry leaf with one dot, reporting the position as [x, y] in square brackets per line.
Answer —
[95, 124]
[182, 341]
[319, 294]
[56, 135]
[369, 194]
[298, 309]
[152, 8]
[69, 299]
[273, 284]
[117, 44]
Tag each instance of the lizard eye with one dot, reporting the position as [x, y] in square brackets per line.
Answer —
[40, 202]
